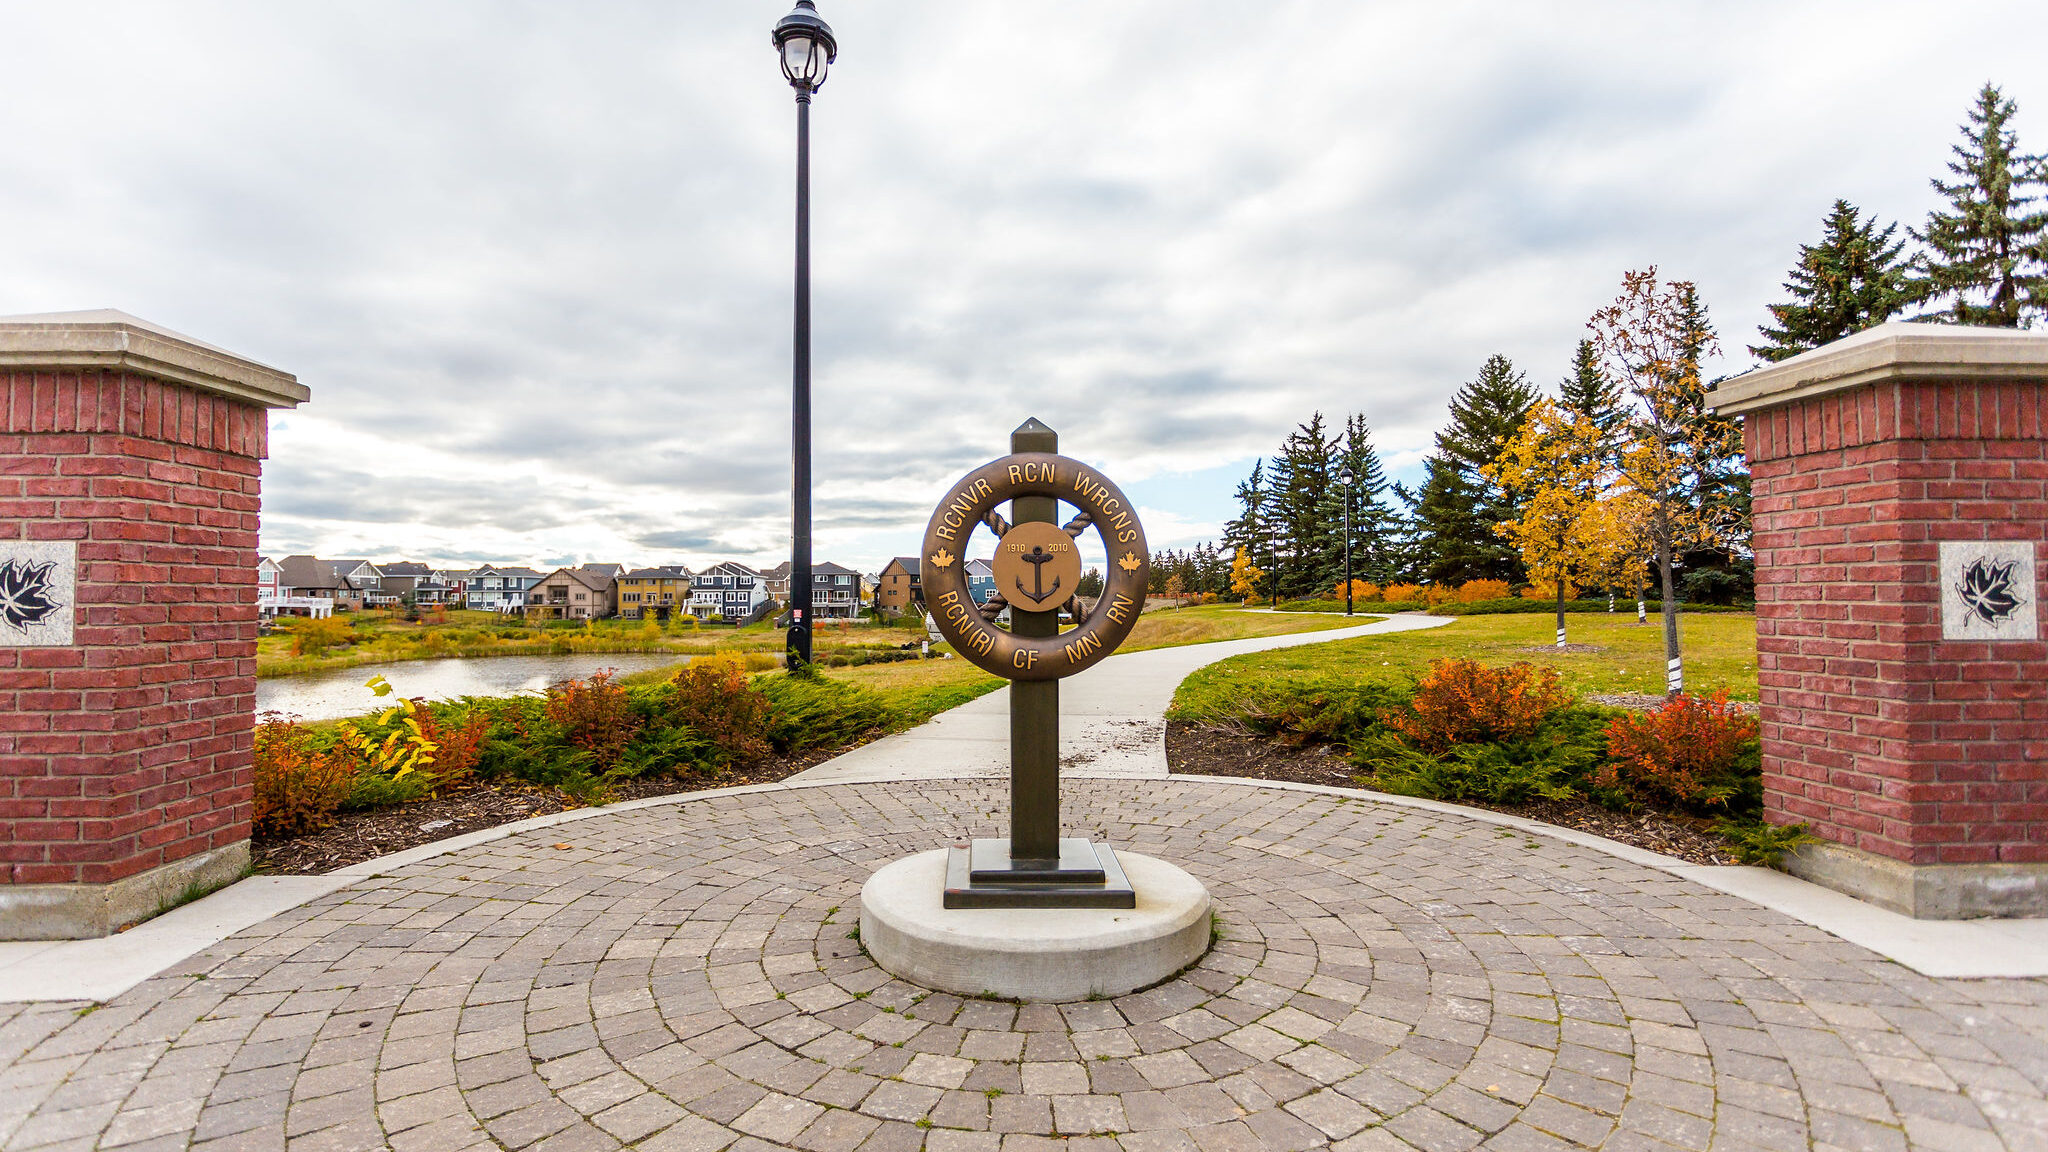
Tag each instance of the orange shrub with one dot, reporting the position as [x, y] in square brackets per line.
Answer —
[1685, 751]
[1473, 591]
[455, 748]
[1360, 590]
[1463, 701]
[714, 697]
[596, 715]
[1401, 593]
[1435, 594]
[298, 785]
[1547, 591]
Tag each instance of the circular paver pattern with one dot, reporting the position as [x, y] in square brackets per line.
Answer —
[685, 977]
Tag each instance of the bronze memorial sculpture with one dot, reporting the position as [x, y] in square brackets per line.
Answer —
[1037, 568]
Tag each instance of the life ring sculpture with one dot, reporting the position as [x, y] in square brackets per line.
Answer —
[1037, 566]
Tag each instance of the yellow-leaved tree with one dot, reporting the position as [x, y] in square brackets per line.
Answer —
[1244, 577]
[1554, 469]
[1622, 523]
[1651, 341]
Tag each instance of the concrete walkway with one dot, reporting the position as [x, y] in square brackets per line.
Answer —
[1112, 717]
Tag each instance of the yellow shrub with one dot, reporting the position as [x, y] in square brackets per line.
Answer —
[1435, 594]
[1360, 590]
[1473, 591]
[1398, 593]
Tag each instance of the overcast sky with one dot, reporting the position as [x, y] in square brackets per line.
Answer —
[533, 259]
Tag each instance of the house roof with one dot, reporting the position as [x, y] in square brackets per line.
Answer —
[981, 568]
[780, 571]
[405, 568]
[610, 571]
[659, 572]
[589, 576]
[728, 568]
[308, 572]
[828, 568]
[907, 563]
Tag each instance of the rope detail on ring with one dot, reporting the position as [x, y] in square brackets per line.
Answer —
[1078, 524]
[993, 606]
[996, 524]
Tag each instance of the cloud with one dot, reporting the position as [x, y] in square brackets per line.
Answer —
[534, 260]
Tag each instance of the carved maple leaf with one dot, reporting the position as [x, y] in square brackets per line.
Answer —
[25, 594]
[1129, 562]
[1988, 591]
[942, 559]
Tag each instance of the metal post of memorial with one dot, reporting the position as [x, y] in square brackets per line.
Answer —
[1035, 915]
[1037, 570]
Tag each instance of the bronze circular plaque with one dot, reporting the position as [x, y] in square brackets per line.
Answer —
[968, 505]
[1037, 567]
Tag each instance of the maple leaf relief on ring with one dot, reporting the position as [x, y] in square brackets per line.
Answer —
[1128, 563]
[942, 559]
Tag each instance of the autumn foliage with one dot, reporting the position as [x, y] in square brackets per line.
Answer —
[1473, 591]
[299, 784]
[1683, 752]
[1463, 701]
[595, 715]
[713, 697]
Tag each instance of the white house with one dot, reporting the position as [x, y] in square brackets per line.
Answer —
[728, 589]
[494, 589]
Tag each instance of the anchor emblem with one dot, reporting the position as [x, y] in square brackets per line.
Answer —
[1038, 558]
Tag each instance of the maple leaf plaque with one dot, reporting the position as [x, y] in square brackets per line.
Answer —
[25, 594]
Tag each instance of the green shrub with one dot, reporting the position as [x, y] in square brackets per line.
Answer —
[1755, 842]
[813, 712]
[1488, 773]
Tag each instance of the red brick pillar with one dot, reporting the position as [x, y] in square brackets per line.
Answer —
[130, 462]
[1900, 479]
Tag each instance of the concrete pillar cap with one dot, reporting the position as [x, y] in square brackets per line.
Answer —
[1895, 351]
[105, 338]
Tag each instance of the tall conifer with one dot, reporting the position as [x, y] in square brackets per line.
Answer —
[1851, 280]
[1987, 257]
[1457, 506]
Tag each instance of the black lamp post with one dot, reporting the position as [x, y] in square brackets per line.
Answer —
[1344, 480]
[807, 48]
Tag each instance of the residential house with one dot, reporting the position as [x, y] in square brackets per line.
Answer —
[835, 592]
[456, 581]
[273, 598]
[367, 580]
[495, 589]
[776, 580]
[586, 593]
[660, 590]
[401, 578]
[730, 590]
[900, 587]
[981, 580]
[313, 578]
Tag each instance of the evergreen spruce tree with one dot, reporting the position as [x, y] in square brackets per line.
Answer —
[1853, 279]
[1252, 530]
[1307, 508]
[1448, 542]
[1457, 507]
[1374, 522]
[1589, 393]
[1987, 257]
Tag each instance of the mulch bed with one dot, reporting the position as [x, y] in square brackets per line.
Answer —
[1203, 750]
[359, 836]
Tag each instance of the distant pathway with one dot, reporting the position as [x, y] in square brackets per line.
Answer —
[1112, 717]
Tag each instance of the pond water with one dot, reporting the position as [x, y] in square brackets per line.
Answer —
[327, 695]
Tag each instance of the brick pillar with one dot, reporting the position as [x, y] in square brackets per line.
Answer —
[1900, 479]
[130, 463]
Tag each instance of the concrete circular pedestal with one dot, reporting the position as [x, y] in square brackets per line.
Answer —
[1032, 953]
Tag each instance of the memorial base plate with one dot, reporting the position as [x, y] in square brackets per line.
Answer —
[982, 874]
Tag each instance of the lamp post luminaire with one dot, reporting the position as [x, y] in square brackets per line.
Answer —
[807, 48]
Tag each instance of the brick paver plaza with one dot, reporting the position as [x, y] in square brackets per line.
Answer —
[685, 977]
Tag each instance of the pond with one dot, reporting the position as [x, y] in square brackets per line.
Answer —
[328, 695]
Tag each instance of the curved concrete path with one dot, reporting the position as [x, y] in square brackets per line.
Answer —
[1112, 717]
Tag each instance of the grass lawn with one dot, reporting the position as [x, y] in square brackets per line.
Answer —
[1170, 627]
[1720, 652]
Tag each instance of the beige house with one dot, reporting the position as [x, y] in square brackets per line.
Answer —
[900, 585]
[587, 593]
